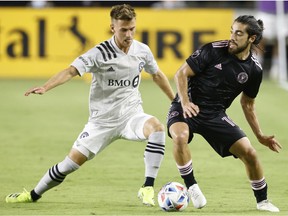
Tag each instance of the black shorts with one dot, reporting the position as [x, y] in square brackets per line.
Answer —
[220, 131]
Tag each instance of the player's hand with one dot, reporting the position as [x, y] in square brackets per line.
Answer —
[190, 109]
[36, 90]
[271, 143]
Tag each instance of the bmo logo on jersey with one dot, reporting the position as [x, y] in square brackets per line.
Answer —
[124, 82]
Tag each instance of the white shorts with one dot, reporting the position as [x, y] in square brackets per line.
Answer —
[96, 137]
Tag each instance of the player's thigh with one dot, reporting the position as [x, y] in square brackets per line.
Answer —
[221, 133]
[152, 125]
[179, 132]
[134, 128]
[94, 138]
[179, 129]
[242, 148]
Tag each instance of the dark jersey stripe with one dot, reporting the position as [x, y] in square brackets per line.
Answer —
[102, 52]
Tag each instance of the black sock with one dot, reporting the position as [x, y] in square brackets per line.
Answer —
[186, 172]
[261, 194]
[149, 182]
[34, 196]
[189, 179]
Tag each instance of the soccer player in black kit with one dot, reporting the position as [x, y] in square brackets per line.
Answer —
[207, 83]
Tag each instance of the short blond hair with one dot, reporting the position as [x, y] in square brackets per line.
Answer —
[122, 12]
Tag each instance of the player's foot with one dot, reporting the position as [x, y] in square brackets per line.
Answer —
[146, 194]
[24, 197]
[197, 197]
[266, 205]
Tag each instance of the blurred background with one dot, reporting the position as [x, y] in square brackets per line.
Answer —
[39, 38]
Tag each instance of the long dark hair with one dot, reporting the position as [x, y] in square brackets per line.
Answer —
[254, 27]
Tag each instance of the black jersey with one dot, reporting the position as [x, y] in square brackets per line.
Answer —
[220, 77]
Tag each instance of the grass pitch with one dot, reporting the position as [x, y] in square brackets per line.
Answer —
[38, 131]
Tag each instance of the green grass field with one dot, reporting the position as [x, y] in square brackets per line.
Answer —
[38, 131]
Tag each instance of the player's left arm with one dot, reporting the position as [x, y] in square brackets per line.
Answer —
[56, 80]
[162, 81]
[248, 106]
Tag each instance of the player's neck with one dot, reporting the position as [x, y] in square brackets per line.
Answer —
[123, 48]
[243, 55]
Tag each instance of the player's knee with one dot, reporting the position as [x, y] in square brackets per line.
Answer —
[159, 127]
[250, 157]
[154, 125]
[77, 157]
[180, 138]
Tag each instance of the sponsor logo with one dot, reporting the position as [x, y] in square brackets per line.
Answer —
[124, 83]
[83, 60]
[218, 66]
[111, 69]
[121, 83]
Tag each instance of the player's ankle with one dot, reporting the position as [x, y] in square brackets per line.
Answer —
[34, 196]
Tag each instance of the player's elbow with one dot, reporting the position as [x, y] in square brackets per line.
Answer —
[247, 103]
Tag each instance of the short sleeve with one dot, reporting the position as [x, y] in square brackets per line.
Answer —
[151, 65]
[253, 86]
[200, 59]
[86, 63]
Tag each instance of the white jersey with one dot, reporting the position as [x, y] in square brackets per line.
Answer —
[116, 77]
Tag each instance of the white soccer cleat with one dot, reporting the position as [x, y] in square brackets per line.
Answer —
[266, 205]
[197, 197]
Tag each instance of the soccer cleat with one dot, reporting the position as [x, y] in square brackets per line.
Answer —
[24, 197]
[266, 205]
[197, 197]
[146, 194]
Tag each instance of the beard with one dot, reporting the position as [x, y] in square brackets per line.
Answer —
[237, 49]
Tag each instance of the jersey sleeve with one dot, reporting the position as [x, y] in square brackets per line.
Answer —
[253, 86]
[86, 63]
[151, 65]
[200, 59]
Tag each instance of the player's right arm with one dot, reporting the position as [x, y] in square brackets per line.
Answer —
[181, 80]
[56, 80]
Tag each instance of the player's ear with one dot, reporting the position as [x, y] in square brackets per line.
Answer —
[252, 38]
[112, 28]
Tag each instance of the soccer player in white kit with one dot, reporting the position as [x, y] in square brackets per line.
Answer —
[115, 105]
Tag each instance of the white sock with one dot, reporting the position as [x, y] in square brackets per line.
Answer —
[154, 153]
[55, 175]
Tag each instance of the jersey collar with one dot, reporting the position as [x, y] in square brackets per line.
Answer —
[118, 49]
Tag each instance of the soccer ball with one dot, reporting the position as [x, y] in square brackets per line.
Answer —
[173, 196]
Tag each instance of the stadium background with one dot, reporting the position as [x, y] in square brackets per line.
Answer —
[38, 42]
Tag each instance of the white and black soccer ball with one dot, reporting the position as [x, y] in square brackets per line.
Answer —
[173, 196]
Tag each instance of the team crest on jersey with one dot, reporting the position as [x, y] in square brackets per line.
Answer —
[173, 114]
[196, 53]
[242, 77]
[141, 65]
[84, 134]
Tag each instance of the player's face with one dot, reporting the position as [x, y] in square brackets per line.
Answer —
[239, 39]
[124, 32]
